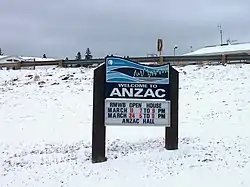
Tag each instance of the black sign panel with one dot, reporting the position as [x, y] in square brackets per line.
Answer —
[138, 91]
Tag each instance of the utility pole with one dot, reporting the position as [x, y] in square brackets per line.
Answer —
[191, 48]
[221, 33]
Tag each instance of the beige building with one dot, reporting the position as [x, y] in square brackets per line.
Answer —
[8, 61]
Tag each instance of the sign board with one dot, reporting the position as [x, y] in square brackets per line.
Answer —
[126, 93]
[133, 89]
[159, 45]
[137, 112]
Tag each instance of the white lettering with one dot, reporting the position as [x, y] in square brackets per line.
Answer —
[115, 92]
[129, 93]
[122, 85]
[149, 92]
[158, 95]
[133, 85]
[138, 92]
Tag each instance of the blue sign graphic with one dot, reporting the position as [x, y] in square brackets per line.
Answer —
[124, 71]
[128, 79]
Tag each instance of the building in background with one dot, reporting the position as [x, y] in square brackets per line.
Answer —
[223, 49]
[13, 59]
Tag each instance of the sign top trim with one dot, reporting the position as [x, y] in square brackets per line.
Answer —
[134, 62]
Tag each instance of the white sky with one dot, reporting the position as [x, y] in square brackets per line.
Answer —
[61, 28]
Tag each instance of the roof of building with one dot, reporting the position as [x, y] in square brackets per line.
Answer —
[37, 58]
[24, 58]
[2, 56]
[224, 49]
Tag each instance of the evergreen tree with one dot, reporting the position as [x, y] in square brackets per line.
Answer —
[44, 56]
[1, 53]
[66, 58]
[88, 54]
[79, 56]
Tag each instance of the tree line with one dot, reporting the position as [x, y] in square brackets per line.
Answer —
[88, 55]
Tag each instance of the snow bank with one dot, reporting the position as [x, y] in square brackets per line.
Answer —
[45, 132]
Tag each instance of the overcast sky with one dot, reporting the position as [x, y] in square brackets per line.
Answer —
[61, 28]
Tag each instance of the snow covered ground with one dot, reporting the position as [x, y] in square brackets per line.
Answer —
[45, 132]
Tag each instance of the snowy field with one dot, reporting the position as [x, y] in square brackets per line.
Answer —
[45, 133]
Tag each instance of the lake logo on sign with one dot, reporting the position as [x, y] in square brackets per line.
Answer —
[110, 62]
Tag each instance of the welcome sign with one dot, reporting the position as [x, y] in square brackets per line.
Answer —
[126, 93]
[136, 94]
